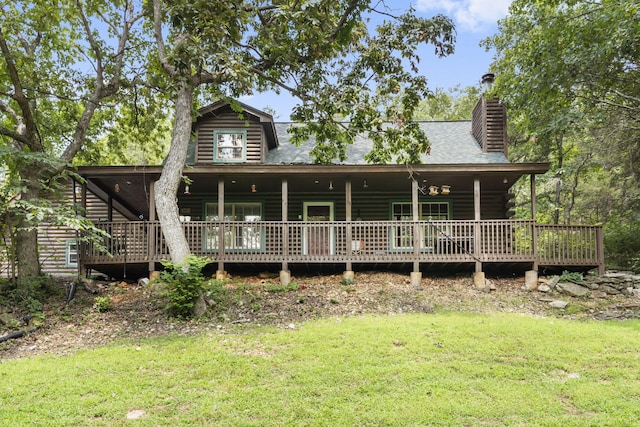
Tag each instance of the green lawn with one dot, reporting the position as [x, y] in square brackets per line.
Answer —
[401, 370]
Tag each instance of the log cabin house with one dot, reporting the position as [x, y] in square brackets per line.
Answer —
[255, 199]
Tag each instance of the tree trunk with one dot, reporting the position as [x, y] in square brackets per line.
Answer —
[167, 186]
[26, 244]
[559, 175]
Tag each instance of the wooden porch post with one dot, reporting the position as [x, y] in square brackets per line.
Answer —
[416, 275]
[82, 270]
[600, 251]
[348, 274]
[110, 208]
[151, 230]
[476, 228]
[220, 273]
[534, 215]
[284, 273]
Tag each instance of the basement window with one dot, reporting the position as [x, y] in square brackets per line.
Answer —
[71, 254]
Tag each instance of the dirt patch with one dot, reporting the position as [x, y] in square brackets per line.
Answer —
[137, 311]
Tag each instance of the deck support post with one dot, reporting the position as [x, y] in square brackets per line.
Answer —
[348, 274]
[416, 274]
[151, 237]
[220, 272]
[600, 251]
[415, 208]
[479, 280]
[534, 232]
[285, 275]
[476, 226]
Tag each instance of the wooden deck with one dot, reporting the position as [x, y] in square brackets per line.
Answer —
[489, 241]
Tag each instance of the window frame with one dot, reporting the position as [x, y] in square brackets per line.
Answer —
[219, 132]
[231, 233]
[68, 252]
[426, 243]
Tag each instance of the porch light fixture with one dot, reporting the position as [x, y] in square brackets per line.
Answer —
[364, 184]
[116, 188]
[330, 185]
[186, 190]
[433, 190]
[253, 188]
[445, 189]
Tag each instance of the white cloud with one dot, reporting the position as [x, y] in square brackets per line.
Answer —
[471, 15]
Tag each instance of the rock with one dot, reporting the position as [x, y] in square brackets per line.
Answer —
[635, 292]
[573, 289]
[135, 414]
[201, 306]
[553, 282]
[544, 288]
[609, 290]
[6, 318]
[558, 304]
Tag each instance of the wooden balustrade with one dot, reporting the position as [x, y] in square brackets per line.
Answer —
[369, 242]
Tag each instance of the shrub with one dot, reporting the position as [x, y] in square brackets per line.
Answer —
[184, 282]
[102, 304]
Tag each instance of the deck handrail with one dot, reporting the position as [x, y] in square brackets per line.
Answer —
[501, 240]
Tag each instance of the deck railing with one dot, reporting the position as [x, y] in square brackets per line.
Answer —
[357, 241]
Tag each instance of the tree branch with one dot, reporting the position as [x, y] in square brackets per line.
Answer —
[30, 138]
[162, 51]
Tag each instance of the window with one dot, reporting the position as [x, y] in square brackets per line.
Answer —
[71, 254]
[229, 145]
[402, 235]
[243, 234]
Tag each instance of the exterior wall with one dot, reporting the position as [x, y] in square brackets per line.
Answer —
[227, 119]
[54, 239]
[369, 206]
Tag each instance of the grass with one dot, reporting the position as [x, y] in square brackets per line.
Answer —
[400, 370]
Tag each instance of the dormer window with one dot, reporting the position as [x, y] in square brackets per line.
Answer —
[229, 145]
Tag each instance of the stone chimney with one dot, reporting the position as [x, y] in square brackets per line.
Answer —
[489, 121]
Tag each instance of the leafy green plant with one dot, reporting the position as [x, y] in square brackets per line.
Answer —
[184, 283]
[347, 281]
[102, 304]
[571, 276]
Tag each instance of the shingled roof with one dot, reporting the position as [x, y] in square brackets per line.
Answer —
[451, 143]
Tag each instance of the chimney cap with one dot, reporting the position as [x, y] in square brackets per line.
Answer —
[488, 78]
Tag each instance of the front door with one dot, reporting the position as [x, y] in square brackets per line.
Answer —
[318, 238]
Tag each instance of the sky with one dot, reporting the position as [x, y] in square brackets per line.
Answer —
[474, 21]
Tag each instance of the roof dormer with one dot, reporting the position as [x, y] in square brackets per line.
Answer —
[224, 135]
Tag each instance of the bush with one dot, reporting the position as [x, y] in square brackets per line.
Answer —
[184, 283]
[102, 304]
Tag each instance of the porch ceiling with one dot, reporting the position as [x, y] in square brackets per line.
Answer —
[130, 187]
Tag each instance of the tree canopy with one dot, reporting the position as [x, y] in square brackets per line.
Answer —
[569, 74]
[321, 52]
